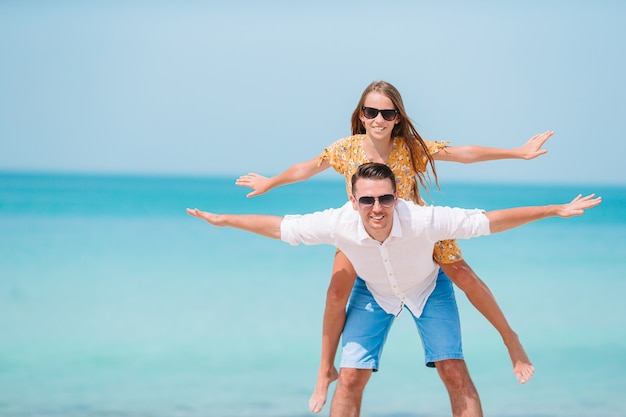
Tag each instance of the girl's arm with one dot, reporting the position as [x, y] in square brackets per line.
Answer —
[471, 154]
[295, 173]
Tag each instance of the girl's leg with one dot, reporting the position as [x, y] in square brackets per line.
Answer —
[481, 297]
[341, 283]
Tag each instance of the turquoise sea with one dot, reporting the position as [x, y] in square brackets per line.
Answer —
[115, 303]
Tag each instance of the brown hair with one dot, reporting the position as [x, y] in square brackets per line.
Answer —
[374, 171]
[404, 130]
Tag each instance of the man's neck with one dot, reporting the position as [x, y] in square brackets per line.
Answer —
[378, 235]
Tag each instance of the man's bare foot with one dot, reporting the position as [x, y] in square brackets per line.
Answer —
[522, 367]
[318, 398]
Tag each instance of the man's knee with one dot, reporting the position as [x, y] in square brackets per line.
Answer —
[353, 379]
[454, 374]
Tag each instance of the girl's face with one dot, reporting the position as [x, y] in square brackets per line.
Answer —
[378, 128]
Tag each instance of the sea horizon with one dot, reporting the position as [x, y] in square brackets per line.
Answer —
[115, 302]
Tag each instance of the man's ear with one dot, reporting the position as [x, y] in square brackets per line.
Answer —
[355, 204]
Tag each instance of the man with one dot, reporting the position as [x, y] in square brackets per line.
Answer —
[389, 242]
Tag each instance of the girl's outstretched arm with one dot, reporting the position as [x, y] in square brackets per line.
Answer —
[295, 173]
[470, 154]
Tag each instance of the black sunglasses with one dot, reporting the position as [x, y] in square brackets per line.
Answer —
[371, 113]
[386, 200]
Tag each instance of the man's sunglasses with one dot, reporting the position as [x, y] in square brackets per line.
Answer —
[371, 113]
[386, 200]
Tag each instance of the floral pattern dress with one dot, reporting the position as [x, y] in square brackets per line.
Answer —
[346, 154]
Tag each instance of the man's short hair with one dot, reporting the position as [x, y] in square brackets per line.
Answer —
[374, 171]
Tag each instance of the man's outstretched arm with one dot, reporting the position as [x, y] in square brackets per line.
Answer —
[268, 226]
[501, 220]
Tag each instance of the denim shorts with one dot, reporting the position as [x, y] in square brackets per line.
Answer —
[367, 326]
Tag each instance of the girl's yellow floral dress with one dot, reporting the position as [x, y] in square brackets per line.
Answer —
[346, 154]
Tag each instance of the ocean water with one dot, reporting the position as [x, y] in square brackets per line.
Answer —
[115, 302]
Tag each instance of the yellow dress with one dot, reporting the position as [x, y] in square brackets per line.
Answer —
[346, 154]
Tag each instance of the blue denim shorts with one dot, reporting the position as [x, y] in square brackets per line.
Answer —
[367, 326]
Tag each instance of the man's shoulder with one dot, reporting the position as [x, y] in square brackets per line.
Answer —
[407, 206]
[344, 212]
[411, 206]
[410, 212]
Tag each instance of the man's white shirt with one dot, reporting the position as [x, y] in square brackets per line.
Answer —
[401, 270]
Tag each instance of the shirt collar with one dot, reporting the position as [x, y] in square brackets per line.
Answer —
[396, 227]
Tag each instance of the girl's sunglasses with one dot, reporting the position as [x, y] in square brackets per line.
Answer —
[371, 113]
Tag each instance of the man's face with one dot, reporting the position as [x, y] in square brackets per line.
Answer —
[377, 218]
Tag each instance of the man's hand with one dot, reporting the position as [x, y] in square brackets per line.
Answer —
[578, 205]
[256, 223]
[212, 218]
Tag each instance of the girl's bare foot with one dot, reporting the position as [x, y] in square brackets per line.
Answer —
[318, 398]
[522, 367]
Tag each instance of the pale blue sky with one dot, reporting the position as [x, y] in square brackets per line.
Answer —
[228, 87]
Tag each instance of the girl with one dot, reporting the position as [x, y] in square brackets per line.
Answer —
[382, 132]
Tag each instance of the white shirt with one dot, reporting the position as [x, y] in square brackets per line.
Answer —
[400, 271]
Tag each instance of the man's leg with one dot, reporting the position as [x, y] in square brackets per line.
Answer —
[362, 341]
[349, 392]
[464, 398]
[440, 330]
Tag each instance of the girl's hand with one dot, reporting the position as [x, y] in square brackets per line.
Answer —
[532, 148]
[258, 183]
